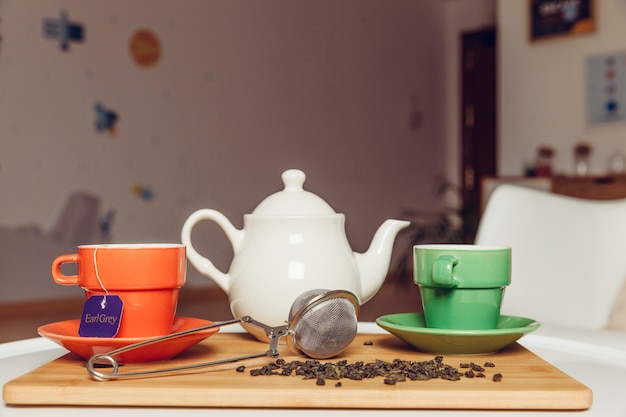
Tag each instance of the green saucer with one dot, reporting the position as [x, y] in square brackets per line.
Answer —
[411, 327]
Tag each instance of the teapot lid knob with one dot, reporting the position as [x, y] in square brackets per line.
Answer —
[294, 200]
[293, 179]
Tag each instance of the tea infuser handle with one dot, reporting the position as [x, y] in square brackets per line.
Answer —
[274, 334]
[102, 376]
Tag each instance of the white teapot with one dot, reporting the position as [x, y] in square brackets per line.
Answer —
[291, 243]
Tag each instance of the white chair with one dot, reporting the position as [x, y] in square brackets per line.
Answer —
[568, 254]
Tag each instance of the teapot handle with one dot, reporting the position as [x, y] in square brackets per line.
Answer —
[202, 264]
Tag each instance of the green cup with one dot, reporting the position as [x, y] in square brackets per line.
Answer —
[462, 286]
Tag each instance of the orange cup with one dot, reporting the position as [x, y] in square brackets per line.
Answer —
[146, 277]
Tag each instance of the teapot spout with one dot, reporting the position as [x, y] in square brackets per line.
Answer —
[374, 263]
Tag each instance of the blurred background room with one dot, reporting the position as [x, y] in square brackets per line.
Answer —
[118, 119]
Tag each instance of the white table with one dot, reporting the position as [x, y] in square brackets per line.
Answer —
[595, 358]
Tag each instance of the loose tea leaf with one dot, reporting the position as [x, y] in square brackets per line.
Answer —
[390, 381]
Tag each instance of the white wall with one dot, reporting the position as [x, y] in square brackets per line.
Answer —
[244, 90]
[542, 90]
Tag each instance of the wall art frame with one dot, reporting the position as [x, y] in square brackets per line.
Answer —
[551, 19]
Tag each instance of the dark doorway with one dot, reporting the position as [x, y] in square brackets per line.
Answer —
[478, 121]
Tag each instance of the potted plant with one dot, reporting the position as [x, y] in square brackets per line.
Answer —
[452, 223]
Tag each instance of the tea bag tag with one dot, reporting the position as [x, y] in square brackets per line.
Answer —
[101, 316]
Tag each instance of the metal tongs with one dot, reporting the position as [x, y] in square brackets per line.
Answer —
[107, 359]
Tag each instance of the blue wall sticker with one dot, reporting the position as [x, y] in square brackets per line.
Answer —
[63, 30]
[106, 223]
[106, 119]
[144, 192]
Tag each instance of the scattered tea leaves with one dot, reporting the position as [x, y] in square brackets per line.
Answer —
[392, 372]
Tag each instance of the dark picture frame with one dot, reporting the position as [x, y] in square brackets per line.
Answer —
[558, 18]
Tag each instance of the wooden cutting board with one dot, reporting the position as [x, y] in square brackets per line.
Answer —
[528, 382]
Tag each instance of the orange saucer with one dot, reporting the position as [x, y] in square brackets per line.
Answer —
[65, 333]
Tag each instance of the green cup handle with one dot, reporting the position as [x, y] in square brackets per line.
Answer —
[442, 271]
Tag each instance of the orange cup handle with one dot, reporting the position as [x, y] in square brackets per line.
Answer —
[59, 278]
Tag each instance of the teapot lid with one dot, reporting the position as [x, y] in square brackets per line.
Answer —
[293, 200]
